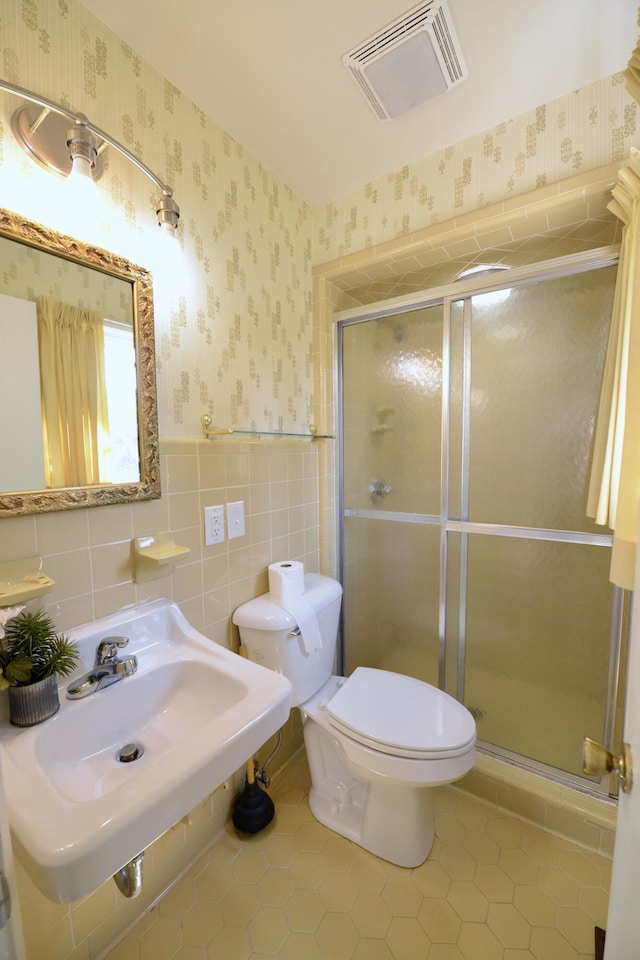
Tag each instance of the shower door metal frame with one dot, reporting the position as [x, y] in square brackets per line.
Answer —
[462, 291]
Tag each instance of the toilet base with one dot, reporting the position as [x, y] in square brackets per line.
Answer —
[394, 821]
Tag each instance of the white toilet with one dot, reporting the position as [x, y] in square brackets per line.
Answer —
[376, 742]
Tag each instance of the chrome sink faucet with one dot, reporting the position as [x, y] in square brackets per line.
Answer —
[107, 669]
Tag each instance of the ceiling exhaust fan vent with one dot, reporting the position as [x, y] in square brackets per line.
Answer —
[413, 59]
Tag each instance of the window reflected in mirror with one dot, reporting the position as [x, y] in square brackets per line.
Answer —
[119, 459]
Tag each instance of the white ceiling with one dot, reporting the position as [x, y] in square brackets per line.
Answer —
[270, 73]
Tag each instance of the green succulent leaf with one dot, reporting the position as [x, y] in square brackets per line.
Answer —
[15, 672]
[19, 670]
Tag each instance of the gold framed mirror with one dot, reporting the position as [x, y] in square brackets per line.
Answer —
[78, 403]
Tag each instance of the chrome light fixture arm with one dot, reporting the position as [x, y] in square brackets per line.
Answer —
[167, 210]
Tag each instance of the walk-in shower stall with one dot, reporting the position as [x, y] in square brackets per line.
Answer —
[467, 420]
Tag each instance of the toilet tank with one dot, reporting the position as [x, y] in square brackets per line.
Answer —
[267, 632]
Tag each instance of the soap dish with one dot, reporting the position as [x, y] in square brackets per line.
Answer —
[22, 580]
[155, 556]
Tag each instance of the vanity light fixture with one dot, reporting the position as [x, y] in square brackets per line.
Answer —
[68, 144]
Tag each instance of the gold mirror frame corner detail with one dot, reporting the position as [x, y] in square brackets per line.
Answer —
[19, 503]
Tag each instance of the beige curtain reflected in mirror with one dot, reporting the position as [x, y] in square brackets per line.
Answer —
[74, 400]
[614, 490]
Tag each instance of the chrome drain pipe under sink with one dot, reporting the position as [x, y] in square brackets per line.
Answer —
[129, 878]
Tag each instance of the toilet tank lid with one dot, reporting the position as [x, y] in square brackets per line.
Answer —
[263, 613]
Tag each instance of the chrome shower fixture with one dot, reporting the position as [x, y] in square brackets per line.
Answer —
[379, 489]
[399, 332]
[68, 144]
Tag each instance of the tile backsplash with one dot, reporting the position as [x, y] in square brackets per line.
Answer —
[87, 551]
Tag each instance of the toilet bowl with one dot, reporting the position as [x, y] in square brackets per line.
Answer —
[376, 742]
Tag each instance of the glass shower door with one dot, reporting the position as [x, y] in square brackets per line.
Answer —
[392, 413]
[467, 557]
[539, 611]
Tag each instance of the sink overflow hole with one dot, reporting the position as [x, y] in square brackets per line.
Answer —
[130, 751]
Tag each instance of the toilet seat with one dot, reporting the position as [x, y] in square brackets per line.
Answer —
[401, 716]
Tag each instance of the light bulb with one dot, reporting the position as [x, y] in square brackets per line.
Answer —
[81, 168]
[81, 187]
[81, 204]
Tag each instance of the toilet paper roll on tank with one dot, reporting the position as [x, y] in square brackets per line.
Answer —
[286, 586]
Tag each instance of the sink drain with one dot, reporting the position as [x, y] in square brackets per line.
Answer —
[130, 752]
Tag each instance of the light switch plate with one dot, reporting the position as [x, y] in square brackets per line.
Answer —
[235, 519]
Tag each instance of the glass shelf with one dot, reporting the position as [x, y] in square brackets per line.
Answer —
[211, 433]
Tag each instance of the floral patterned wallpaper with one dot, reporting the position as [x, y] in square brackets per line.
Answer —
[233, 301]
[585, 129]
[29, 273]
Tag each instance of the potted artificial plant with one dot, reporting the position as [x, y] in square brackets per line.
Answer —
[32, 655]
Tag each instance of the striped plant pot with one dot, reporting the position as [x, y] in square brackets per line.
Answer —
[34, 703]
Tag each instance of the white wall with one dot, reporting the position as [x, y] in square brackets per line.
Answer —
[21, 459]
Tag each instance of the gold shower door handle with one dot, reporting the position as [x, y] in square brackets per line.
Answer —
[597, 761]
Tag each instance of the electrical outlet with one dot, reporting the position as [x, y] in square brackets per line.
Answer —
[213, 525]
[235, 519]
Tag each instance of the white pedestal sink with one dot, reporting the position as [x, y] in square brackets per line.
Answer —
[197, 710]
